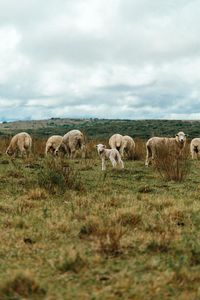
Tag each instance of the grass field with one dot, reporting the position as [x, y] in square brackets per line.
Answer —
[70, 231]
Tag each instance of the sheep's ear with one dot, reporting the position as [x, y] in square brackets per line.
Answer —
[104, 146]
[96, 146]
[176, 135]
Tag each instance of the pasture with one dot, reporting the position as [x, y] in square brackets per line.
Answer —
[71, 231]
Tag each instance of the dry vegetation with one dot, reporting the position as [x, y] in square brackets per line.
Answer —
[70, 231]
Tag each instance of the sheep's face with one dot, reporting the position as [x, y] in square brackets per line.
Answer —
[100, 148]
[60, 149]
[9, 151]
[181, 137]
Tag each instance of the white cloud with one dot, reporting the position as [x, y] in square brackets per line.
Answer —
[108, 58]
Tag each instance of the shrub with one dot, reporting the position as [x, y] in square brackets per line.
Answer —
[170, 164]
[139, 150]
[57, 176]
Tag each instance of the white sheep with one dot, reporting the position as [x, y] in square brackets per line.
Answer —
[53, 143]
[195, 147]
[21, 144]
[72, 141]
[128, 146]
[116, 142]
[154, 144]
[112, 154]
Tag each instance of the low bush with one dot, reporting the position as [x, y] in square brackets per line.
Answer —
[170, 164]
[58, 175]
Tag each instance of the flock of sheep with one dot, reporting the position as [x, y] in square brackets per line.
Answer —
[74, 140]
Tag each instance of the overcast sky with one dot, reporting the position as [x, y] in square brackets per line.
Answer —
[128, 59]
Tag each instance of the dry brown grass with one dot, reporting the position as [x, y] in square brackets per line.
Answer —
[140, 149]
[107, 238]
[172, 165]
[22, 286]
[37, 194]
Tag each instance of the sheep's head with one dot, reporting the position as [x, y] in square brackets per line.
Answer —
[9, 151]
[100, 148]
[181, 138]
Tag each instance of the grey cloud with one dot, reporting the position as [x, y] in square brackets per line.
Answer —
[123, 59]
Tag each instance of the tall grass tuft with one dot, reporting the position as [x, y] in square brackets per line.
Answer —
[170, 164]
[22, 286]
[108, 239]
[72, 261]
[140, 149]
[58, 175]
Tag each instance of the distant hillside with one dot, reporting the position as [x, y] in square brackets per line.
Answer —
[102, 128]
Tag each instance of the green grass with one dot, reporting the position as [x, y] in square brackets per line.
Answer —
[104, 235]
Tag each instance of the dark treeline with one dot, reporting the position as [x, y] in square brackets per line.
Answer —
[103, 128]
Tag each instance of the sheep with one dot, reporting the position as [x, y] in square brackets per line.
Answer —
[128, 145]
[116, 142]
[53, 143]
[195, 147]
[112, 154]
[72, 141]
[20, 143]
[176, 144]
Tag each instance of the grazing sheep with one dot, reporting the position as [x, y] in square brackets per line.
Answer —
[53, 143]
[128, 146]
[116, 142]
[176, 144]
[72, 141]
[21, 144]
[195, 147]
[112, 154]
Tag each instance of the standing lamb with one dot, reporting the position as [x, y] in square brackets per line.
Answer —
[53, 143]
[195, 148]
[116, 142]
[72, 141]
[112, 154]
[128, 146]
[21, 144]
[175, 144]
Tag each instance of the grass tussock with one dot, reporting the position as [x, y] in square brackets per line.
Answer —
[22, 286]
[58, 175]
[140, 150]
[127, 217]
[108, 239]
[90, 227]
[70, 261]
[37, 194]
[172, 165]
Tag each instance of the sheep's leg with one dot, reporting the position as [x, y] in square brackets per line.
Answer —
[22, 151]
[193, 154]
[147, 157]
[83, 151]
[113, 161]
[103, 164]
[122, 151]
[121, 164]
[29, 152]
[73, 153]
[46, 150]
